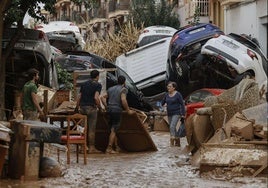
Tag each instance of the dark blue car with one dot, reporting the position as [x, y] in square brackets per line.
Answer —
[183, 64]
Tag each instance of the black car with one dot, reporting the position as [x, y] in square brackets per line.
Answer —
[81, 60]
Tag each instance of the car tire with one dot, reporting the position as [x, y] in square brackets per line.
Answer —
[182, 70]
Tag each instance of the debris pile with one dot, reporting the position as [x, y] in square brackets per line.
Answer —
[230, 132]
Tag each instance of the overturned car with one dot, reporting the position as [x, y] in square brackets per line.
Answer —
[184, 53]
[234, 57]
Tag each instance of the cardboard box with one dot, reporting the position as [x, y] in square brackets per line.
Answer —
[51, 96]
[160, 124]
[242, 128]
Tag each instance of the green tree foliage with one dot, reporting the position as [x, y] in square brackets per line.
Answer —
[64, 77]
[196, 16]
[147, 13]
[17, 9]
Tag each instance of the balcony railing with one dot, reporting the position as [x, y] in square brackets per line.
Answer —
[191, 7]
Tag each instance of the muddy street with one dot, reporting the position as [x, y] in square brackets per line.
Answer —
[167, 167]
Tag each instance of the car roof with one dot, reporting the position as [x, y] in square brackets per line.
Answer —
[195, 32]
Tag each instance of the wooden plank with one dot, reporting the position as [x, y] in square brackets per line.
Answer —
[235, 146]
[263, 166]
[261, 142]
[132, 135]
[45, 108]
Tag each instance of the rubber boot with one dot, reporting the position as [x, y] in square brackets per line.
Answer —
[172, 141]
[177, 142]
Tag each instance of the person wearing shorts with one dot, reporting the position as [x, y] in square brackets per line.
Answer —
[117, 102]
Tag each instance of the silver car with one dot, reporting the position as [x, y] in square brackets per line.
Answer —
[32, 50]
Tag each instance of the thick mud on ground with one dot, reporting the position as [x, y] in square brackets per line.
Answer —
[168, 167]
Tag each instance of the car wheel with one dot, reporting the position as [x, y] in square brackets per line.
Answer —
[182, 70]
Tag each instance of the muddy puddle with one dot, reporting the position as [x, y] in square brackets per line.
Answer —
[167, 167]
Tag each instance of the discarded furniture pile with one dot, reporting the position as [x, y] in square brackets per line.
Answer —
[228, 137]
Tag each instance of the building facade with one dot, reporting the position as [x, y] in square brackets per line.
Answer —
[102, 17]
[247, 17]
[237, 16]
[232, 16]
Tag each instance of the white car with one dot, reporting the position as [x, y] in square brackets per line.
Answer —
[236, 56]
[62, 26]
[154, 33]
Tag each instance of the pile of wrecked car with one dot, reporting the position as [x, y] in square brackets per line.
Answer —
[195, 57]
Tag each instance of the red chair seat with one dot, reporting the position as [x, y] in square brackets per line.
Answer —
[78, 137]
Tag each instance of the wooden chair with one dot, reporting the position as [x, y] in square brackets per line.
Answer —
[76, 133]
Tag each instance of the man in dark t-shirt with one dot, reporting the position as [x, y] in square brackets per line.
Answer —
[89, 103]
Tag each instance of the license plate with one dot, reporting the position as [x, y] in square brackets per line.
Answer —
[230, 44]
[19, 45]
